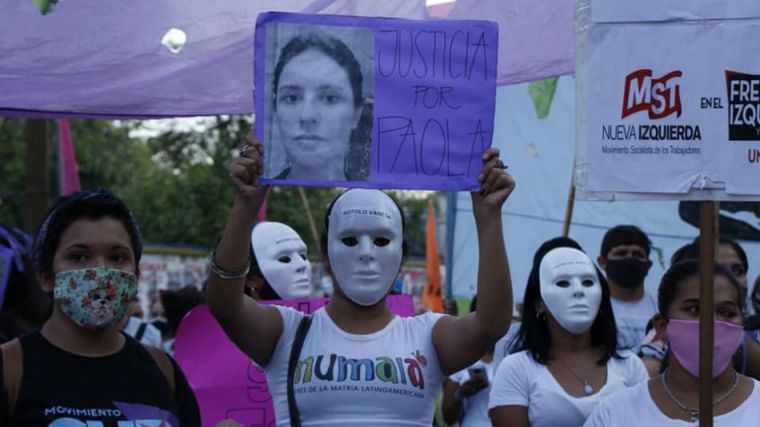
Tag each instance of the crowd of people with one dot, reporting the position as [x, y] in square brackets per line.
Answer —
[590, 348]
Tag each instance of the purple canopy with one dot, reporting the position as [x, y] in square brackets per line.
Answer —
[104, 58]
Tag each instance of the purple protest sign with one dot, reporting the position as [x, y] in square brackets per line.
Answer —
[374, 102]
[226, 383]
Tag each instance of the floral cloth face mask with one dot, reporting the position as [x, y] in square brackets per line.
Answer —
[95, 298]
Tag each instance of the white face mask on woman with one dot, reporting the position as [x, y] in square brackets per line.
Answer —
[281, 255]
[570, 288]
[364, 244]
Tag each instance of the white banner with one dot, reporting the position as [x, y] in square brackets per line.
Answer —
[667, 108]
[539, 152]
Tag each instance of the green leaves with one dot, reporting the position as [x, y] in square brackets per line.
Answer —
[542, 93]
[12, 171]
[185, 196]
[45, 6]
[176, 182]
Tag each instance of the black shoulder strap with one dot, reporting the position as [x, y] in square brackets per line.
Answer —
[13, 368]
[141, 331]
[295, 352]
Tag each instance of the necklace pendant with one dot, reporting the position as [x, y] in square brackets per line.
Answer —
[693, 416]
[587, 388]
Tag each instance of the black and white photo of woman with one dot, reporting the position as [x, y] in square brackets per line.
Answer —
[320, 106]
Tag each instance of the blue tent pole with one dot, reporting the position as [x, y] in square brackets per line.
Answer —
[451, 220]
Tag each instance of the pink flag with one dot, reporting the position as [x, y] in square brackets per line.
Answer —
[68, 174]
[262, 214]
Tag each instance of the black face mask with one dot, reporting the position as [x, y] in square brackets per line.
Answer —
[627, 272]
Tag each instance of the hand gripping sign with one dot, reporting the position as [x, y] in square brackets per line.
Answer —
[374, 102]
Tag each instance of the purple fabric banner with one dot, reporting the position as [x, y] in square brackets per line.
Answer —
[104, 58]
[537, 37]
[371, 102]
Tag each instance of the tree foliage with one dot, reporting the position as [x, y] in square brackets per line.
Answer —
[12, 172]
[176, 183]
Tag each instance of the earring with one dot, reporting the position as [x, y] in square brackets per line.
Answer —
[541, 316]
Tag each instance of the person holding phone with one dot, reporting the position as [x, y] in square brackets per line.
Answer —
[567, 356]
[465, 393]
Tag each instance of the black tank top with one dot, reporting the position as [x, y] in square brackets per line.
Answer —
[124, 386]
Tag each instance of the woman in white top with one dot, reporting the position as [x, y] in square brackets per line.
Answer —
[672, 398]
[567, 357]
[360, 364]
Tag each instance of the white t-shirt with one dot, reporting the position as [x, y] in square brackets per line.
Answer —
[636, 404]
[522, 381]
[475, 407]
[151, 334]
[631, 320]
[504, 344]
[388, 378]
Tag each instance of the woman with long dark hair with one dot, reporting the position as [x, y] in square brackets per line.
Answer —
[672, 397]
[320, 110]
[566, 355]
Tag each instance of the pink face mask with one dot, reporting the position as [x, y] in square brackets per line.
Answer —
[683, 336]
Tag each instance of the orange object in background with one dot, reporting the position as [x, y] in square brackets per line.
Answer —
[432, 294]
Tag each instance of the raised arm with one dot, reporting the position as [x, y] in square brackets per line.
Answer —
[254, 328]
[460, 341]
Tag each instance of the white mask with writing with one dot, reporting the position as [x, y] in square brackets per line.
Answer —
[570, 288]
[281, 255]
[364, 244]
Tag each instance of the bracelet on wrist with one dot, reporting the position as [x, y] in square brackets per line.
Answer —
[226, 274]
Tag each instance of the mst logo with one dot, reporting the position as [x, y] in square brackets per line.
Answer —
[660, 97]
[743, 106]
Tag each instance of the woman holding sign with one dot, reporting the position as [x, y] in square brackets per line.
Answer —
[318, 107]
[567, 358]
[356, 363]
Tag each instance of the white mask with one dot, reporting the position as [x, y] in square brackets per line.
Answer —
[281, 255]
[570, 288]
[364, 242]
